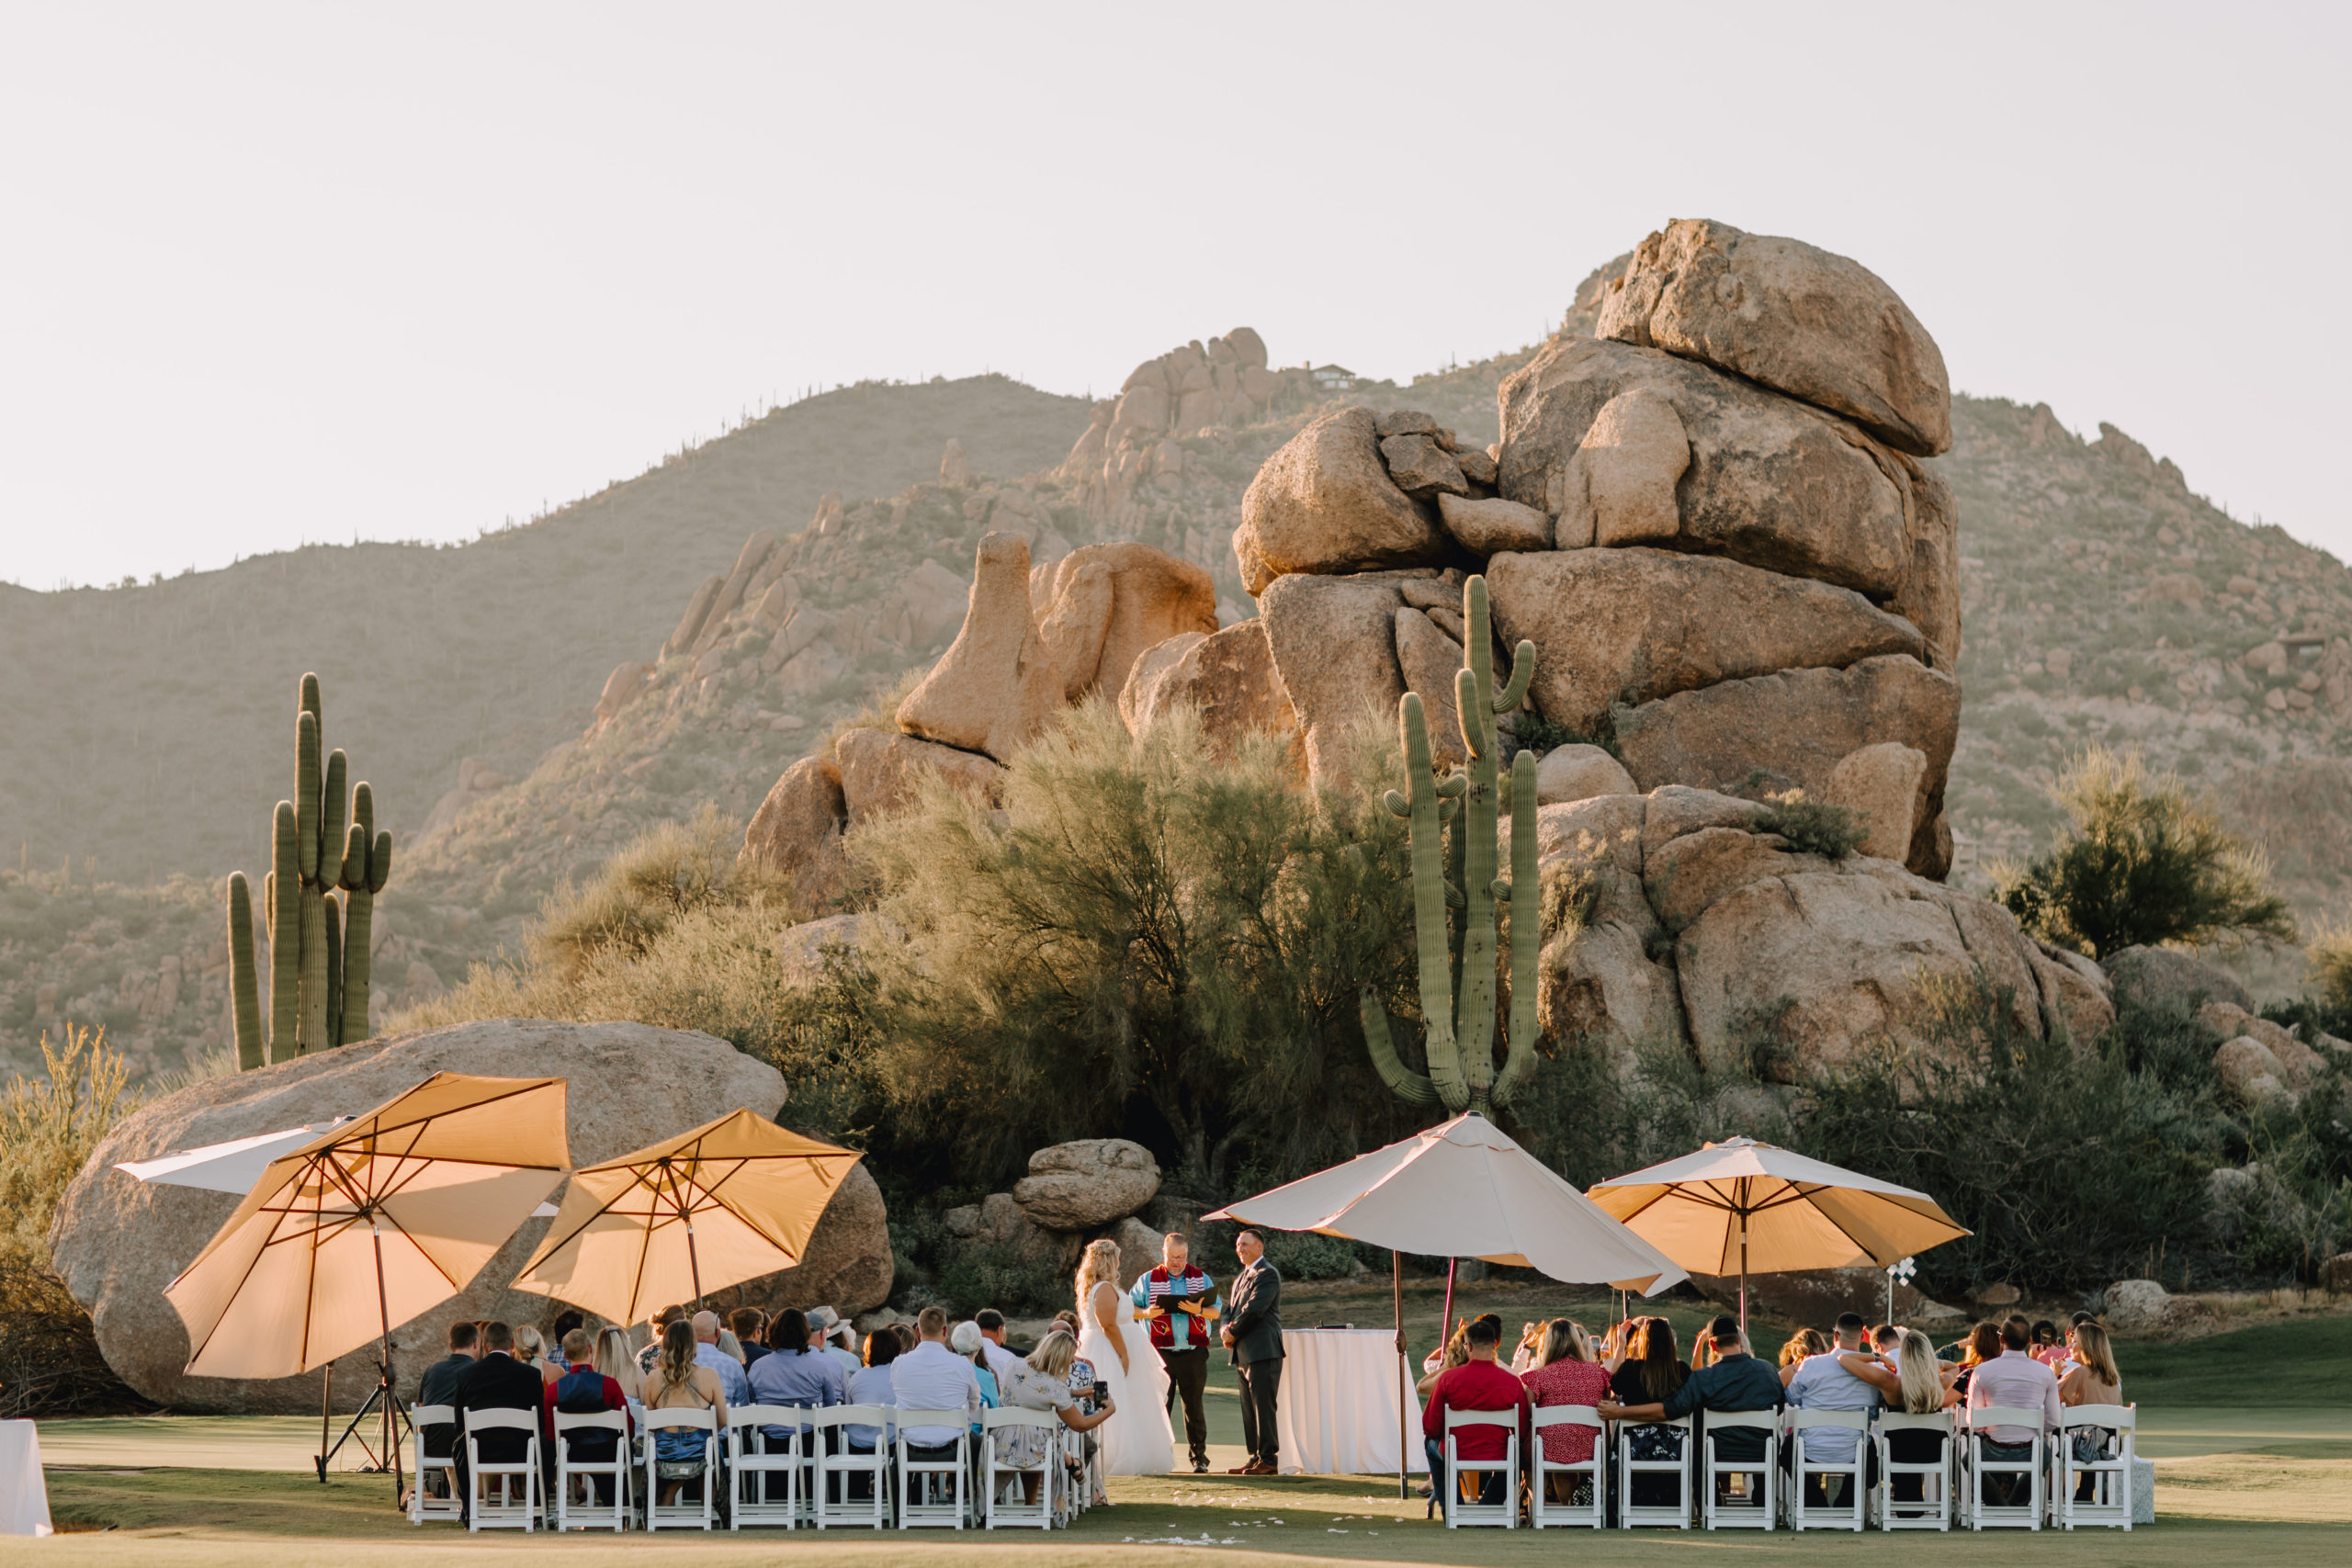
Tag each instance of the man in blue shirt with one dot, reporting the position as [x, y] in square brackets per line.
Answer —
[1821, 1383]
[729, 1372]
[1735, 1381]
[1179, 1302]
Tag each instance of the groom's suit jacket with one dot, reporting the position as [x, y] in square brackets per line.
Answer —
[1253, 1311]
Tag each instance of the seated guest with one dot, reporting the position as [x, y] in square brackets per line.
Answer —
[729, 1371]
[583, 1391]
[991, 1323]
[1734, 1380]
[1528, 1353]
[1914, 1381]
[2011, 1380]
[794, 1373]
[932, 1377]
[680, 1380]
[969, 1341]
[747, 1324]
[616, 1360]
[1804, 1342]
[1041, 1383]
[439, 1386]
[2047, 1347]
[1480, 1382]
[1823, 1382]
[909, 1336]
[1983, 1344]
[497, 1381]
[658, 1324]
[1452, 1354]
[2092, 1378]
[531, 1350]
[1565, 1374]
[824, 1324]
[870, 1384]
[565, 1321]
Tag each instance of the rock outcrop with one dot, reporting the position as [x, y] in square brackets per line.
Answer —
[117, 1242]
[995, 687]
[1228, 678]
[881, 769]
[1325, 503]
[1076, 1186]
[797, 831]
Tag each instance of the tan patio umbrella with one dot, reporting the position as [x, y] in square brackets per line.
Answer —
[731, 1200]
[361, 1229]
[1749, 1208]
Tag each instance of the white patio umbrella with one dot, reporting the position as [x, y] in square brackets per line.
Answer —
[1743, 1207]
[235, 1166]
[1463, 1189]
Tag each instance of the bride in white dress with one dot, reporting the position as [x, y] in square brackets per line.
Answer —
[1136, 1439]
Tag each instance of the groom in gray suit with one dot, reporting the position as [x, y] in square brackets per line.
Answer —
[1253, 1332]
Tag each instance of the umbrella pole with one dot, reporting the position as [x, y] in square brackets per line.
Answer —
[693, 1265]
[1404, 1365]
[1743, 1272]
[384, 1361]
[1446, 1323]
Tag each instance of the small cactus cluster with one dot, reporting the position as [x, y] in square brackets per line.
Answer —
[1454, 872]
[327, 863]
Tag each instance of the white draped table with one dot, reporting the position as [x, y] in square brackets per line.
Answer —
[1337, 1412]
[24, 1495]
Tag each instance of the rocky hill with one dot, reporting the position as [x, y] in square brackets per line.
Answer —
[2103, 601]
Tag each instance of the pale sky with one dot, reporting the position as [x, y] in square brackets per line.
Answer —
[281, 273]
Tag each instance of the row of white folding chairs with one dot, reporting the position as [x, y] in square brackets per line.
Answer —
[814, 1459]
[1956, 1473]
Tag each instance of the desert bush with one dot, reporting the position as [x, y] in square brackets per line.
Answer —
[2140, 862]
[977, 1276]
[2330, 956]
[49, 1363]
[1811, 827]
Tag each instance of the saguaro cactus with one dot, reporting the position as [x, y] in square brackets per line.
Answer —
[1453, 831]
[317, 901]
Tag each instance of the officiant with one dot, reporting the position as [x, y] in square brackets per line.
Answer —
[1178, 1301]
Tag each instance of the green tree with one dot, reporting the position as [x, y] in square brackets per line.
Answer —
[2140, 862]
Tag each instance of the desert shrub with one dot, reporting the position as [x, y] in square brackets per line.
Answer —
[977, 1276]
[1811, 827]
[2330, 956]
[49, 1363]
[1531, 732]
[2140, 862]
[669, 871]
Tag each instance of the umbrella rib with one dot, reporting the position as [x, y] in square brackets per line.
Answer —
[410, 1237]
[420, 1122]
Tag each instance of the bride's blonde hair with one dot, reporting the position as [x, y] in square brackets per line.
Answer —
[1100, 1265]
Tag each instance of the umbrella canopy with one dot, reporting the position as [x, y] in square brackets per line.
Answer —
[232, 1166]
[363, 1227]
[1464, 1190]
[731, 1200]
[1741, 1207]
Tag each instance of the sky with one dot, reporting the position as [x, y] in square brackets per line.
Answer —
[278, 274]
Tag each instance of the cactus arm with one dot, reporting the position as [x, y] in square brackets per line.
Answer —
[311, 1026]
[285, 936]
[1474, 1022]
[333, 803]
[1429, 905]
[244, 993]
[379, 862]
[330, 1036]
[1526, 933]
[307, 787]
[359, 968]
[1522, 671]
[1411, 1087]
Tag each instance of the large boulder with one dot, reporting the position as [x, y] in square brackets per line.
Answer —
[1633, 625]
[1794, 973]
[1772, 482]
[1489, 526]
[2168, 980]
[1619, 486]
[1792, 316]
[1334, 644]
[1928, 595]
[2078, 1002]
[117, 1242]
[797, 831]
[1074, 618]
[882, 769]
[2136, 1306]
[1088, 1182]
[1228, 678]
[1154, 596]
[1794, 727]
[1325, 503]
[1881, 784]
[996, 685]
[1577, 772]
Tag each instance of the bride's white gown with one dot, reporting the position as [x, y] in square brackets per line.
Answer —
[1136, 1439]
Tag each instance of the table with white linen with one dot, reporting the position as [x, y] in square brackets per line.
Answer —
[1336, 1414]
[24, 1495]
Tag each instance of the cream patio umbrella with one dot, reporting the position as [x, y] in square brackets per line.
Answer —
[382, 1217]
[1749, 1208]
[731, 1200]
[1463, 1189]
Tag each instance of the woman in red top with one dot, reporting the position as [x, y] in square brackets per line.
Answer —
[1566, 1375]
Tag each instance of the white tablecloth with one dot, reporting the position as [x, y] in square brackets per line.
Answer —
[1337, 1414]
[23, 1496]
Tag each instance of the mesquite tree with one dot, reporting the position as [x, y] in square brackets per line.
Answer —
[1454, 872]
[327, 863]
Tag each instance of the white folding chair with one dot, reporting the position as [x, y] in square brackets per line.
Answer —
[507, 1512]
[933, 1492]
[1542, 1512]
[2109, 1478]
[1757, 1511]
[421, 1504]
[996, 1474]
[834, 1464]
[1976, 1469]
[682, 1515]
[617, 1470]
[1629, 1469]
[1932, 1510]
[754, 1458]
[1506, 1469]
[1853, 1512]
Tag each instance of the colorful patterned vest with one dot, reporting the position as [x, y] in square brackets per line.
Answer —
[1162, 1289]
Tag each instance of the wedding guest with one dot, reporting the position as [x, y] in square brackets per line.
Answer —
[583, 1391]
[825, 1325]
[794, 1372]
[971, 1342]
[708, 1353]
[932, 1377]
[1566, 1374]
[2092, 1380]
[1914, 1381]
[1734, 1380]
[561, 1330]
[497, 1381]
[747, 1324]
[1823, 1382]
[532, 1351]
[2011, 1380]
[1804, 1342]
[871, 1384]
[1983, 1344]
[616, 1360]
[1041, 1383]
[658, 1325]
[990, 1323]
[1452, 1354]
[439, 1386]
[1528, 1352]
[681, 1379]
[1479, 1383]
[1650, 1369]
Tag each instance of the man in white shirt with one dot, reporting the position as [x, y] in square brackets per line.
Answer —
[932, 1377]
[1001, 1361]
[2013, 1380]
[1821, 1383]
[731, 1381]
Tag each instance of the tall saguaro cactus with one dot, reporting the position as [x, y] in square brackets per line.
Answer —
[327, 863]
[1455, 853]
